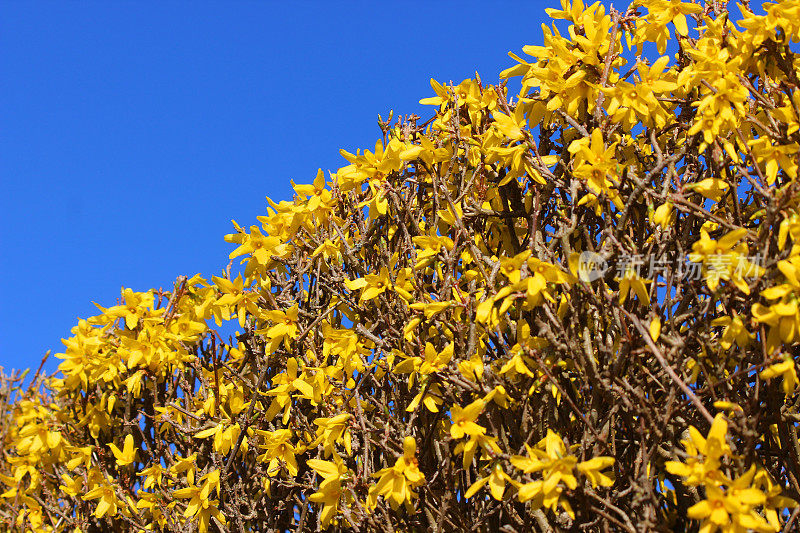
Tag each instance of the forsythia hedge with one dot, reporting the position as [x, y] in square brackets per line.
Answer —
[572, 308]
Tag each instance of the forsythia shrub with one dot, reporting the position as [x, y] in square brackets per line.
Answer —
[572, 308]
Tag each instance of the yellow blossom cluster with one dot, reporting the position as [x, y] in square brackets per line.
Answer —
[730, 505]
[518, 315]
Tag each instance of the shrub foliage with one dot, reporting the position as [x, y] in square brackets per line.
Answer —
[571, 308]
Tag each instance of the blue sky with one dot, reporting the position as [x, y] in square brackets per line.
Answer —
[131, 134]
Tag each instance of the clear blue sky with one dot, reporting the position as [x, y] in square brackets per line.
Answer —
[131, 134]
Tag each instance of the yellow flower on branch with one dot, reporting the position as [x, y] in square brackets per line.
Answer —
[224, 437]
[371, 285]
[200, 506]
[597, 166]
[335, 430]
[711, 188]
[549, 457]
[109, 502]
[631, 282]
[128, 454]
[496, 480]
[725, 259]
[592, 470]
[464, 420]
[704, 453]
[319, 199]
[731, 510]
[783, 314]
[330, 490]
[734, 331]
[396, 483]
[283, 328]
[488, 446]
[278, 451]
[786, 370]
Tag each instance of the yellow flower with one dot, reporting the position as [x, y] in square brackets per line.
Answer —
[108, 503]
[597, 165]
[319, 198]
[702, 465]
[592, 470]
[549, 457]
[224, 437]
[396, 483]
[335, 430]
[200, 506]
[371, 285]
[674, 11]
[731, 510]
[154, 475]
[128, 454]
[512, 127]
[711, 188]
[496, 480]
[785, 369]
[442, 95]
[464, 420]
[774, 499]
[278, 451]
[663, 215]
[487, 445]
[284, 326]
[330, 490]
[734, 331]
[259, 246]
[71, 486]
[783, 315]
[137, 305]
[632, 283]
[725, 259]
